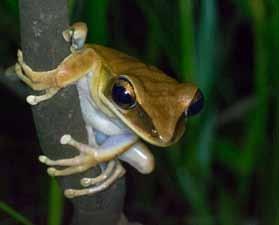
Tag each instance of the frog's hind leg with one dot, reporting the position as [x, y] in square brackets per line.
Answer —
[68, 171]
[103, 176]
[76, 165]
[140, 157]
[118, 172]
[75, 161]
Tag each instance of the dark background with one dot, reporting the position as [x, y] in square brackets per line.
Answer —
[225, 169]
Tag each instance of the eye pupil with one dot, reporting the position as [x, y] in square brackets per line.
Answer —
[122, 94]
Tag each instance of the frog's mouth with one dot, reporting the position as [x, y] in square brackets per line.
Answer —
[140, 123]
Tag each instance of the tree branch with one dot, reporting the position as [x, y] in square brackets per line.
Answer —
[42, 23]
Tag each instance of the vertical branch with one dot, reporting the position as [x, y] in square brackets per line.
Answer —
[42, 23]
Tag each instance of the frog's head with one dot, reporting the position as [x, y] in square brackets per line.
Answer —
[154, 106]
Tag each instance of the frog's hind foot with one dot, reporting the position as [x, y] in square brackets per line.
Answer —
[76, 35]
[80, 163]
[102, 182]
[85, 182]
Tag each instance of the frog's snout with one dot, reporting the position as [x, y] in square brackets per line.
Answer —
[196, 104]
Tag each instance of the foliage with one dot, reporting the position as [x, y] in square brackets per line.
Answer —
[225, 170]
[14, 214]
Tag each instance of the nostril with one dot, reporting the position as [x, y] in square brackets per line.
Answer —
[196, 104]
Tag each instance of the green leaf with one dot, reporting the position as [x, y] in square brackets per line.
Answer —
[187, 53]
[14, 214]
[97, 21]
[205, 143]
[228, 209]
[244, 6]
[206, 47]
[256, 135]
[56, 203]
[11, 6]
[228, 154]
[194, 192]
[71, 6]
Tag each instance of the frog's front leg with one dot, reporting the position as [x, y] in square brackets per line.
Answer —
[71, 69]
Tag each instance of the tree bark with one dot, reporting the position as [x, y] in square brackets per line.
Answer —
[42, 23]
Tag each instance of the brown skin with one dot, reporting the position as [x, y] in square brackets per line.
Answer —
[161, 100]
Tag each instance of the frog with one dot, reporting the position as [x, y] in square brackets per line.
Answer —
[125, 104]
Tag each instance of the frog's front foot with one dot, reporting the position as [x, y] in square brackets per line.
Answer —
[38, 81]
[80, 163]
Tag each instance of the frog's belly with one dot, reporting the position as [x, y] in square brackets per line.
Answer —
[97, 120]
[93, 116]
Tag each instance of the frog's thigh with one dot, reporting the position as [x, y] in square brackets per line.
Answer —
[115, 146]
[140, 157]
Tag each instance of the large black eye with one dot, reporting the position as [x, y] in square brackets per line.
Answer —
[196, 104]
[123, 94]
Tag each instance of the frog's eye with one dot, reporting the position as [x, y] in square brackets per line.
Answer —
[123, 94]
[196, 104]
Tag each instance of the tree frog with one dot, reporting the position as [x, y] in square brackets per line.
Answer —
[123, 101]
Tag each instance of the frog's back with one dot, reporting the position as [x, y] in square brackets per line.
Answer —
[121, 63]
